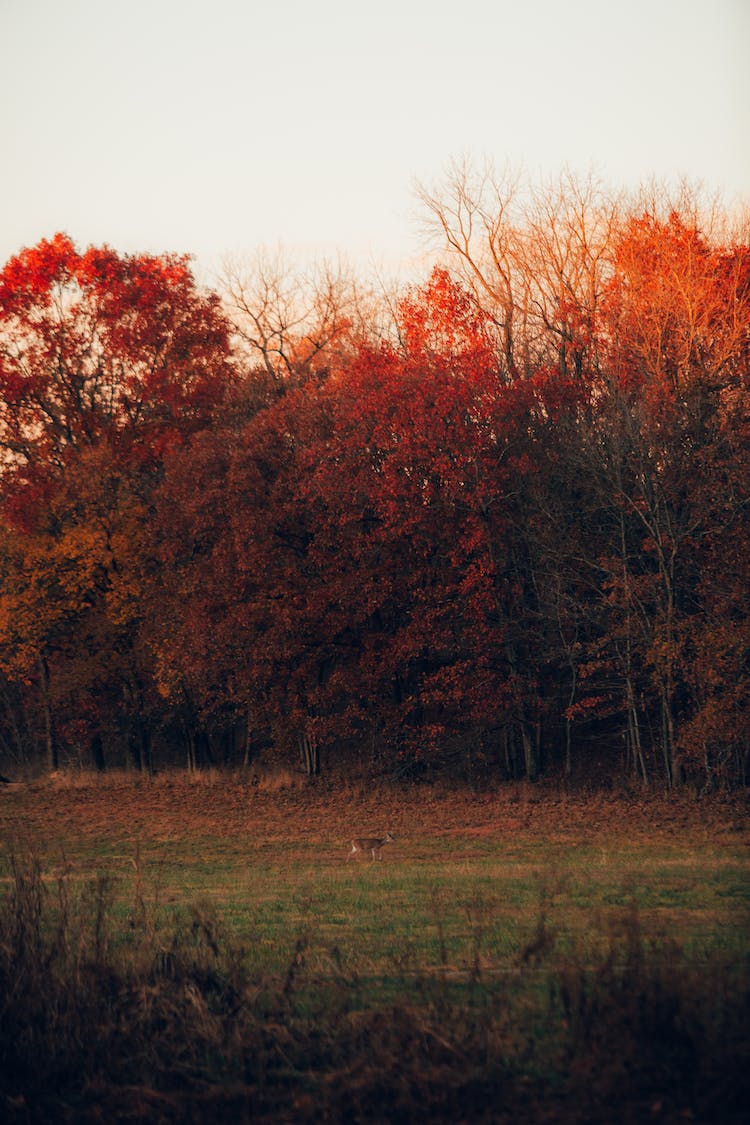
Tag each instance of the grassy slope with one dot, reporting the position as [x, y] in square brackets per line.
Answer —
[464, 871]
[514, 955]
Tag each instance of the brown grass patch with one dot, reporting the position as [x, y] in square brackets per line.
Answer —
[282, 807]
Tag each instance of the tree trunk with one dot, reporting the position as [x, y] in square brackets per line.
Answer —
[309, 754]
[667, 738]
[635, 746]
[134, 749]
[530, 738]
[192, 760]
[97, 753]
[20, 743]
[50, 736]
[144, 734]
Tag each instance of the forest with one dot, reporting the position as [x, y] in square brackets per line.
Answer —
[494, 523]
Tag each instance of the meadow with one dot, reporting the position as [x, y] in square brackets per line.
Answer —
[199, 948]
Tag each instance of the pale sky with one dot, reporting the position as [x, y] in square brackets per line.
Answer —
[214, 127]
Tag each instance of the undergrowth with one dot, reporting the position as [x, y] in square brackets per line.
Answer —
[148, 1023]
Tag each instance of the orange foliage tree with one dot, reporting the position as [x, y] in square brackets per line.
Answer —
[106, 361]
[673, 331]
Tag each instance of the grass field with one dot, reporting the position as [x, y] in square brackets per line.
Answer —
[525, 952]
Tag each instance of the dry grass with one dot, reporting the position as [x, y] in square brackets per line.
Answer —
[278, 800]
[198, 949]
[171, 1025]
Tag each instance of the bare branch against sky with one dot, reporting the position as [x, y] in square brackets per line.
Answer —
[213, 128]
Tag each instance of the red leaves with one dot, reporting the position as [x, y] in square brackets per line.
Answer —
[415, 552]
[441, 322]
[342, 549]
[106, 363]
[31, 276]
[101, 346]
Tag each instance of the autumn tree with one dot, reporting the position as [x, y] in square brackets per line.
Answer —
[643, 304]
[535, 257]
[421, 557]
[339, 512]
[106, 361]
[405, 502]
[673, 336]
[510, 531]
[292, 321]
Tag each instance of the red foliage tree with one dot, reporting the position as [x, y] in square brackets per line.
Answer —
[418, 553]
[106, 361]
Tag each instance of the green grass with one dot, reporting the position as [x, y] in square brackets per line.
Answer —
[462, 976]
[437, 909]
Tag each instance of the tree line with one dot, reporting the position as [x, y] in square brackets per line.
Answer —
[496, 523]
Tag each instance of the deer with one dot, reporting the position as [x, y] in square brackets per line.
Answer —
[372, 844]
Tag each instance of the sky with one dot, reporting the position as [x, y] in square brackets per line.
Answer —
[215, 128]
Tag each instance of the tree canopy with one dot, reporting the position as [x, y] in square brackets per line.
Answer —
[507, 536]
